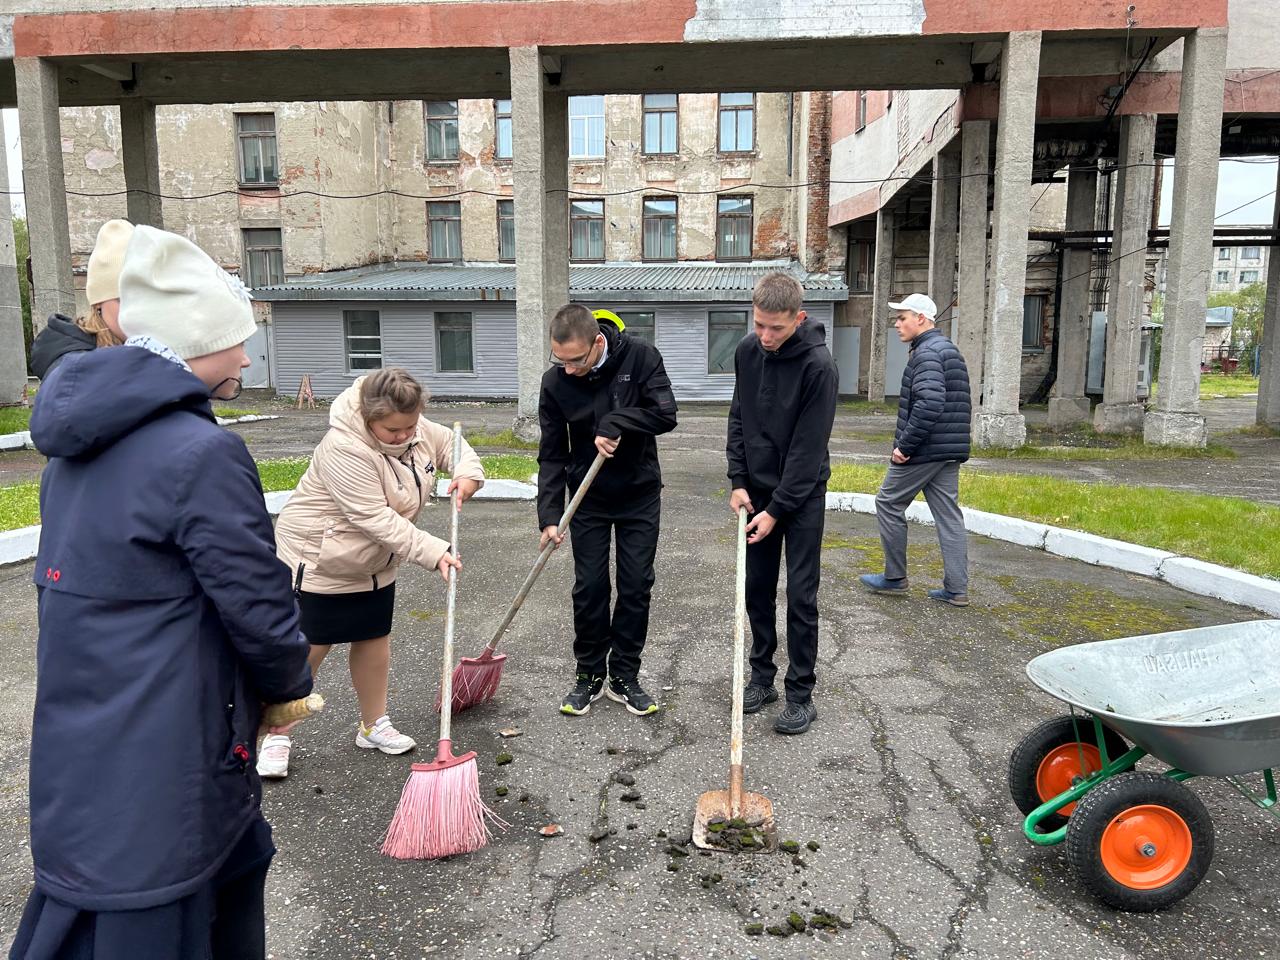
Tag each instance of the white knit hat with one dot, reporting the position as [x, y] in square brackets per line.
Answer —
[103, 280]
[172, 290]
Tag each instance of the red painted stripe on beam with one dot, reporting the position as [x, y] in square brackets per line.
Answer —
[854, 208]
[960, 17]
[499, 23]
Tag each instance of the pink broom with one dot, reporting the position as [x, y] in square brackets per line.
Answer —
[476, 679]
[440, 812]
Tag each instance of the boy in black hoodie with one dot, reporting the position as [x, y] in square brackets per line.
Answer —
[784, 403]
[605, 393]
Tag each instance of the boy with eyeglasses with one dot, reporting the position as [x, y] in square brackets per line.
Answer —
[608, 393]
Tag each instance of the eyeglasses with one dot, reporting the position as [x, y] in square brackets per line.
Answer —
[576, 361]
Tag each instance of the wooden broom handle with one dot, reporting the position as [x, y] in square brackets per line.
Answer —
[739, 648]
[446, 676]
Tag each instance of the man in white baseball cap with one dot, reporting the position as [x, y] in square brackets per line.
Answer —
[929, 444]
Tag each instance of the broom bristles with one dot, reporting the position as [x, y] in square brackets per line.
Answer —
[475, 681]
[440, 814]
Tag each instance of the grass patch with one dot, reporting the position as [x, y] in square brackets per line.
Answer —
[282, 474]
[866, 436]
[230, 413]
[1128, 448]
[509, 466]
[19, 505]
[501, 438]
[1225, 530]
[14, 419]
[1257, 430]
[868, 406]
[1213, 385]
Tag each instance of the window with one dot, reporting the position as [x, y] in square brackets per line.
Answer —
[639, 326]
[725, 328]
[1224, 253]
[453, 343]
[263, 258]
[661, 112]
[442, 130]
[444, 222]
[1248, 276]
[737, 122]
[1033, 321]
[363, 329]
[862, 111]
[502, 129]
[659, 228]
[586, 229]
[259, 165]
[586, 127]
[733, 228]
[507, 230]
[1224, 276]
[1251, 253]
[861, 265]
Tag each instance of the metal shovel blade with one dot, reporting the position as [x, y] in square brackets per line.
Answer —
[754, 808]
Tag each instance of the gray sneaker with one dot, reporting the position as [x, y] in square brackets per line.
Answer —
[796, 717]
[755, 696]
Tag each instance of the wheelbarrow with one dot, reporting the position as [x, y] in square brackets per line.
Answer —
[1203, 702]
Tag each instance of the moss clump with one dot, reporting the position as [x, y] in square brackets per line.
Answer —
[716, 827]
[826, 920]
[779, 930]
[673, 867]
[789, 846]
[923, 559]
[1061, 612]
[813, 846]
[503, 759]
[753, 929]
[796, 922]
[501, 791]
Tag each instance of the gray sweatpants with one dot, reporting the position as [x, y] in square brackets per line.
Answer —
[940, 482]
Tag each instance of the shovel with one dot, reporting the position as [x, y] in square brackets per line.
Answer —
[721, 812]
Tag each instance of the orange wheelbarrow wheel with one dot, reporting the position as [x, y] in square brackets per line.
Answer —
[1048, 761]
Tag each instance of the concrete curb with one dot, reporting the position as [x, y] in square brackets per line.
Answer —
[1185, 573]
[16, 441]
[247, 418]
[23, 543]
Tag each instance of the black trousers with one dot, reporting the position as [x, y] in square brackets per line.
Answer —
[801, 534]
[614, 644]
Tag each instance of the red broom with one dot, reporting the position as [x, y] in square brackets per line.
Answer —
[440, 812]
[476, 679]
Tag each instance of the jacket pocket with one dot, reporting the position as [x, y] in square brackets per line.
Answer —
[346, 552]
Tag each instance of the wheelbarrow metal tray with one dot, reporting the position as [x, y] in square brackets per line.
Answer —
[1205, 700]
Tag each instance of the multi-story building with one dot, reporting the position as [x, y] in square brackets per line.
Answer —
[1235, 268]
[384, 232]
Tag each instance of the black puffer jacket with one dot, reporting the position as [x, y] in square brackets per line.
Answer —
[934, 406]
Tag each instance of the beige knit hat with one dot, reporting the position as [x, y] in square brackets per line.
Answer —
[103, 281]
[172, 290]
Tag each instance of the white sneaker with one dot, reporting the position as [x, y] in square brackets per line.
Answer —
[273, 756]
[383, 736]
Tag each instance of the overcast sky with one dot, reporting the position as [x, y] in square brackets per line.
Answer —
[1239, 183]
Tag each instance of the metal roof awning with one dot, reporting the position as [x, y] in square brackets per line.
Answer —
[614, 282]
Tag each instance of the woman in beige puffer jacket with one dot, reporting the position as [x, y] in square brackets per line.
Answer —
[350, 524]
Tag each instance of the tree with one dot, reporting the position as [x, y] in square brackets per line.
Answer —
[22, 250]
[1246, 327]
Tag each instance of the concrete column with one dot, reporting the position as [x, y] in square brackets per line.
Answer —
[999, 424]
[13, 358]
[1121, 411]
[881, 292]
[141, 162]
[969, 328]
[540, 122]
[46, 192]
[1176, 419]
[944, 224]
[1068, 404]
[1269, 369]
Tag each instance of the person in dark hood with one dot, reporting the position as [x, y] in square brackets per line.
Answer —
[784, 404]
[605, 393]
[166, 621]
[100, 327]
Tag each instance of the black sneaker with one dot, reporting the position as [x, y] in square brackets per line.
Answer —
[586, 691]
[755, 696]
[631, 695]
[796, 717]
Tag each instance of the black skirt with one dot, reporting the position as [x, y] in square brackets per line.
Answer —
[329, 618]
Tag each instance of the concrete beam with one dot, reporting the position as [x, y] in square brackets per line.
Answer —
[999, 424]
[944, 226]
[1269, 369]
[969, 326]
[1068, 404]
[141, 162]
[541, 170]
[1121, 411]
[1176, 420]
[53, 290]
[881, 293]
[13, 357]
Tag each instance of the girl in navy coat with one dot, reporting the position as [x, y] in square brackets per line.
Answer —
[166, 621]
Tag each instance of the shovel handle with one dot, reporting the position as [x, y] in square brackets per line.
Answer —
[545, 554]
[739, 648]
[446, 676]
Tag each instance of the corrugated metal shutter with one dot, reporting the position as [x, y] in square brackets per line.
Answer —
[307, 339]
